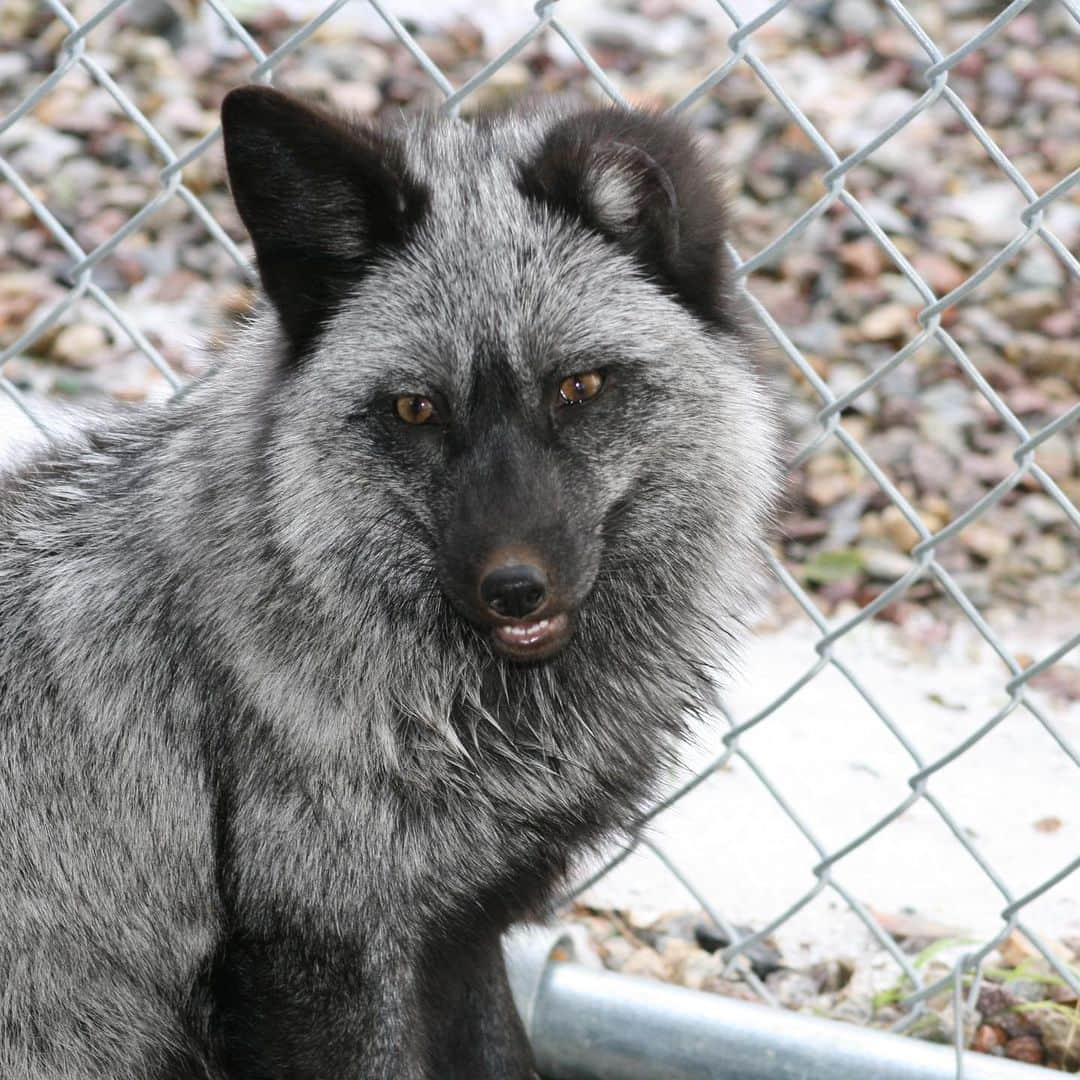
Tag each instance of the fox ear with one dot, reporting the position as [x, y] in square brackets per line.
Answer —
[320, 196]
[642, 182]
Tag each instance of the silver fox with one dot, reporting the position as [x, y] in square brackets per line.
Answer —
[318, 678]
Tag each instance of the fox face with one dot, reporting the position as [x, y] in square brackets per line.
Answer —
[511, 397]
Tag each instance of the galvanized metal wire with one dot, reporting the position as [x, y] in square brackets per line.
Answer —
[1031, 227]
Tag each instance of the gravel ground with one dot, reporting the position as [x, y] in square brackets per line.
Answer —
[852, 68]
[1023, 1009]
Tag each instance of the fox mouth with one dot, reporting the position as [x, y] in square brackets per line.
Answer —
[535, 639]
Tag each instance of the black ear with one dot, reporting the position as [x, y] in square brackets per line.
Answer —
[321, 197]
[642, 181]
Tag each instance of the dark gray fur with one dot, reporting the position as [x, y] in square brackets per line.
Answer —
[268, 799]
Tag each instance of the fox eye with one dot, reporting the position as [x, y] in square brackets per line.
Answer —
[415, 409]
[585, 385]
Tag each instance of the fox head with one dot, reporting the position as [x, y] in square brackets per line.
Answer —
[509, 387]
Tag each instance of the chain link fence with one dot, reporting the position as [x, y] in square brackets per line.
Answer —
[80, 43]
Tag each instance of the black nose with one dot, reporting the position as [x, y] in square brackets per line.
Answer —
[514, 591]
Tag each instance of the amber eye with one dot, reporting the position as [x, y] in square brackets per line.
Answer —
[575, 389]
[415, 409]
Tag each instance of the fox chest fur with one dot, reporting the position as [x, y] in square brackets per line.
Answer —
[317, 843]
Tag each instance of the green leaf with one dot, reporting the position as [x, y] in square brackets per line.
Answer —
[941, 945]
[829, 566]
[1070, 1012]
[887, 997]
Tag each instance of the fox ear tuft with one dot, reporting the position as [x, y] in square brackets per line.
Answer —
[320, 196]
[641, 181]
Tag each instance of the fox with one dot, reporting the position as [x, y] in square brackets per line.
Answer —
[321, 676]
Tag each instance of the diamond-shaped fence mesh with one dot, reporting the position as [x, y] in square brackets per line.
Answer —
[106, 82]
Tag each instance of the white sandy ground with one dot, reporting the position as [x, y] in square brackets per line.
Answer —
[838, 766]
[840, 769]
[18, 434]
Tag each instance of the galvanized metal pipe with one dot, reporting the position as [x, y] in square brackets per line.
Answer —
[587, 1024]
